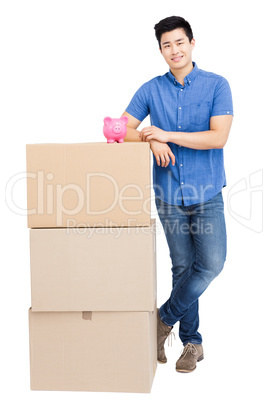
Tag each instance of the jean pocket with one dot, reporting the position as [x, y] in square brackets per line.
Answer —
[199, 113]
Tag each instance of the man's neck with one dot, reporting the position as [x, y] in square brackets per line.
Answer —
[181, 73]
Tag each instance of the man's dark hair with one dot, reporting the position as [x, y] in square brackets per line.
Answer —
[171, 23]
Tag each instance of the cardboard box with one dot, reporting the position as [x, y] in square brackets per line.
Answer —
[93, 184]
[96, 269]
[98, 351]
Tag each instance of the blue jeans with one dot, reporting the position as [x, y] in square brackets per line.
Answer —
[196, 236]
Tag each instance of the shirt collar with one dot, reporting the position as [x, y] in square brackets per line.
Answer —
[188, 79]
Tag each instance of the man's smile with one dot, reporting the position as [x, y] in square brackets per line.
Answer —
[177, 58]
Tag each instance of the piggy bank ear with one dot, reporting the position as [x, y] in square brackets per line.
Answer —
[124, 119]
[107, 120]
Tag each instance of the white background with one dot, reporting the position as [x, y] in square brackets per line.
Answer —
[67, 64]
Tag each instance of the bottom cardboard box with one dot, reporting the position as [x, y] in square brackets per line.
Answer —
[92, 351]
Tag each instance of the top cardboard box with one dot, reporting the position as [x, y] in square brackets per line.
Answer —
[91, 184]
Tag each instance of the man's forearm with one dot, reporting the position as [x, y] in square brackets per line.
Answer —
[210, 139]
[214, 138]
[132, 135]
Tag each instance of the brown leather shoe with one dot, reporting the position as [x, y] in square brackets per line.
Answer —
[190, 356]
[162, 333]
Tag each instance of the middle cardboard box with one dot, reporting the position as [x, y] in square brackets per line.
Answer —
[93, 269]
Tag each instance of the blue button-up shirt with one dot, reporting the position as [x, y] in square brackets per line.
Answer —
[198, 175]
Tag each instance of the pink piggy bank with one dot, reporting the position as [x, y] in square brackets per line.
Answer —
[115, 129]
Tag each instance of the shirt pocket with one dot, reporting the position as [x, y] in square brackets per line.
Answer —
[200, 113]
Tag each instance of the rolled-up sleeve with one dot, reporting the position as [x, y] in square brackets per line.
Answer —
[139, 106]
[222, 102]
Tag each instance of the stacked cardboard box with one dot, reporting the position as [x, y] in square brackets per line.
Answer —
[93, 268]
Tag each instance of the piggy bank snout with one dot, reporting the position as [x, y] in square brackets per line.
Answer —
[117, 129]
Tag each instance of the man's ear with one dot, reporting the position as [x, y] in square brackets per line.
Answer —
[193, 43]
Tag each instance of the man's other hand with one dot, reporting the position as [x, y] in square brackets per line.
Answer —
[162, 153]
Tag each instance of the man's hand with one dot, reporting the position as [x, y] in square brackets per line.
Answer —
[162, 153]
[153, 133]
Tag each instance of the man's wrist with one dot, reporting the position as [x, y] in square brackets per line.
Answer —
[170, 136]
[173, 136]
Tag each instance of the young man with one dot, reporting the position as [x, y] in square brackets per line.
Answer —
[191, 115]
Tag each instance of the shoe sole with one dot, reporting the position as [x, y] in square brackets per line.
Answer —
[159, 361]
[190, 371]
[185, 371]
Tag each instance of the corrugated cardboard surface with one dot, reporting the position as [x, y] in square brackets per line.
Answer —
[93, 184]
[107, 351]
[96, 269]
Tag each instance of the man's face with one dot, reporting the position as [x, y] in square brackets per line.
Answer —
[176, 49]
